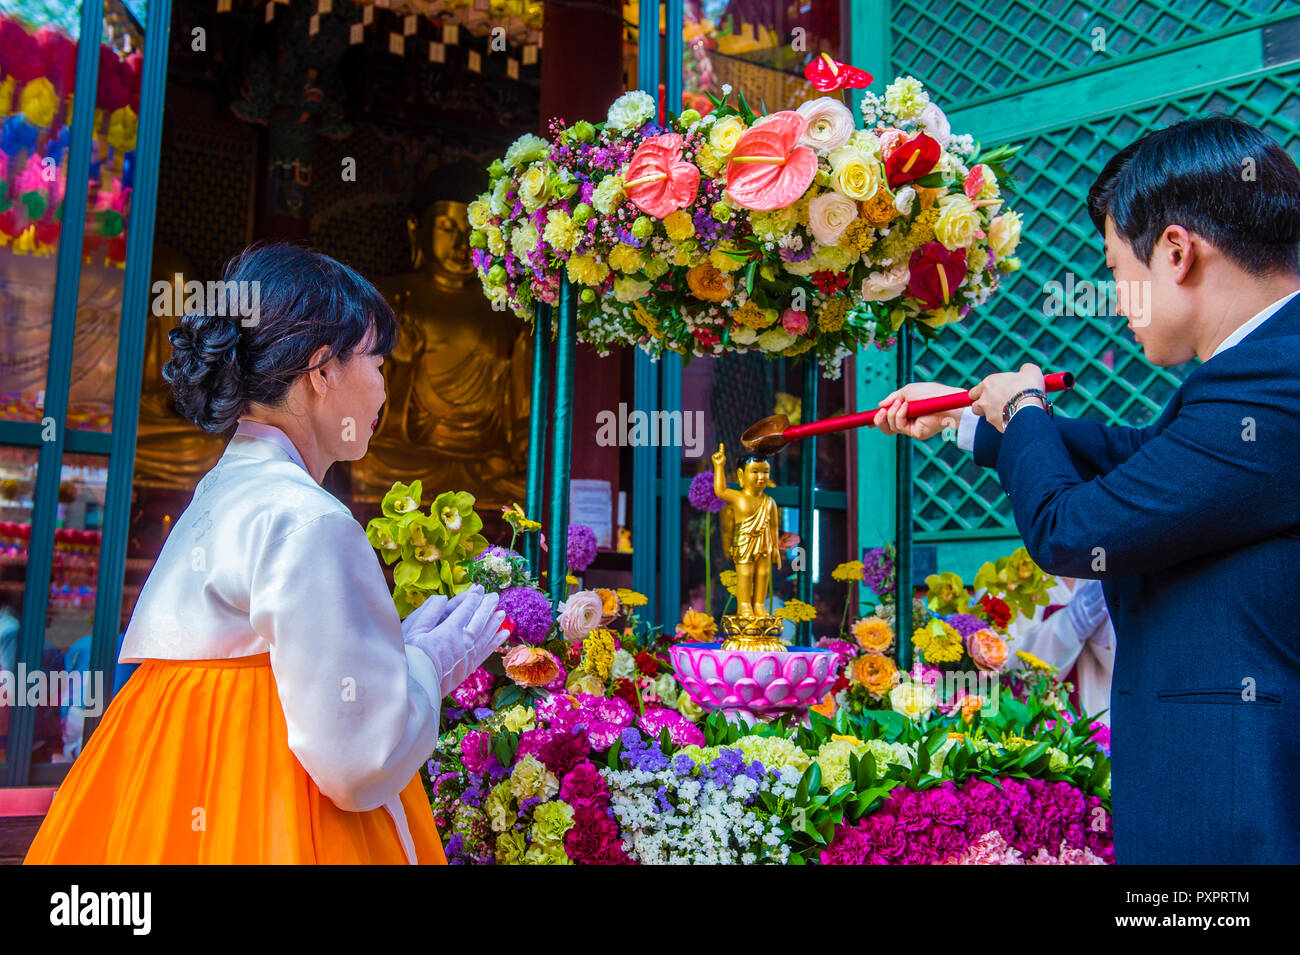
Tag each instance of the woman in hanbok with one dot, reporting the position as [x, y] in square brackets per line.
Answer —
[281, 711]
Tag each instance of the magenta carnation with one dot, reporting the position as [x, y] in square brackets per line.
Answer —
[476, 751]
[476, 691]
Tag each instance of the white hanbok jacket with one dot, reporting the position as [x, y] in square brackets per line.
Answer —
[265, 560]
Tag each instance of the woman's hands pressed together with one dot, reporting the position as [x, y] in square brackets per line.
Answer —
[457, 634]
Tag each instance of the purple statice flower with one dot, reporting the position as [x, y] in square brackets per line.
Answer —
[627, 238]
[966, 624]
[796, 255]
[480, 258]
[582, 547]
[878, 571]
[640, 755]
[722, 772]
[700, 493]
[706, 227]
[683, 765]
[531, 611]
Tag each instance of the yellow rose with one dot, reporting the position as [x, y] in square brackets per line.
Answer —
[913, 699]
[853, 174]
[480, 214]
[1004, 234]
[534, 188]
[724, 134]
[958, 222]
[496, 243]
[689, 708]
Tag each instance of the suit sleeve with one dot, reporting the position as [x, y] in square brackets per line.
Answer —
[1209, 482]
[361, 707]
[1095, 448]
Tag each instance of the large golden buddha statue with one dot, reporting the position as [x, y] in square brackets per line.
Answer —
[170, 452]
[457, 409]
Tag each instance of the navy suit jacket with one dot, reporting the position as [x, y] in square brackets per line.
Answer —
[1193, 525]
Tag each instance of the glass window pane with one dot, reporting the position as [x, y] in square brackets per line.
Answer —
[17, 484]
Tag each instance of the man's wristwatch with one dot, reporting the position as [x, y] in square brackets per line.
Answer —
[1014, 402]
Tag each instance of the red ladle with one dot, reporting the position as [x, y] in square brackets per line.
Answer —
[772, 434]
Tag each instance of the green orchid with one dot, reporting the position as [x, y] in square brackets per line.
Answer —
[427, 539]
[1017, 580]
[403, 499]
[456, 511]
[385, 536]
[947, 593]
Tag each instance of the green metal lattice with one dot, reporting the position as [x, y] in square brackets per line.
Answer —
[970, 49]
[955, 497]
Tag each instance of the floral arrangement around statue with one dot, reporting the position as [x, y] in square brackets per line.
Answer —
[788, 233]
[579, 745]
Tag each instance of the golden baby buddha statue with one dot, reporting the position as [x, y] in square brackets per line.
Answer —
[751, 533]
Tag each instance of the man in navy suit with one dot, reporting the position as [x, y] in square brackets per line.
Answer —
[1192, 523]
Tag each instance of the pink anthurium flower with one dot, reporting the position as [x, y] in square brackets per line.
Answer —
[658, 180]
[828, 75]
[768, 168]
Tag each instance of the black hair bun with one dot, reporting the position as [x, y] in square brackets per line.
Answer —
[204, 370]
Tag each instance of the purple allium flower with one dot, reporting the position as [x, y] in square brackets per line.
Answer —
[497, 551]
[582, 547]
[531, 611]
[700, 493]
[878, 571]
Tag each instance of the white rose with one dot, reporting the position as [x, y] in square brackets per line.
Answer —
[1004, 234]
[829, 215]
[830, 124]
[935, 124]
[903, 200]
[883, 286]
[624, 667]
[631, 110]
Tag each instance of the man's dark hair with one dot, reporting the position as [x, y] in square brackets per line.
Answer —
[1225, 180]
[751, 456]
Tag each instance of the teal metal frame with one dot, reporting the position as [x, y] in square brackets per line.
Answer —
[119, 446]
[539, 414]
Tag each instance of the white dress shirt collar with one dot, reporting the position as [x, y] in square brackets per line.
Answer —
[269, 432]
[1253, 324]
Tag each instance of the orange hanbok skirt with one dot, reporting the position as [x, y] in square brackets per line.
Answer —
[191, 765]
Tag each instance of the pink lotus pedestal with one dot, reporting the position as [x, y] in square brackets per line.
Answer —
[755, 684]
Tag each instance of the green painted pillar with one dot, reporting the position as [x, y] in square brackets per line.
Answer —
[539, 422]
[557, 537]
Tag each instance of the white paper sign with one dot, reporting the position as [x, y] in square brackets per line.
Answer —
[592, 503]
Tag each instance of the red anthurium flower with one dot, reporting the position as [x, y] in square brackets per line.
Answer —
[768, 168]
[915, 158]
[659, 180]
[935, 274]
[828, 75]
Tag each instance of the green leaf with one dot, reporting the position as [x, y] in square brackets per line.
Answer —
[612, 760]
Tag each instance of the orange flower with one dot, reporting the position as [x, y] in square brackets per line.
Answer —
[988, 651]
[878, 211]
[873, 634]
[970, 707]
[826, 707]
[876, 672]
[609, 605]
[707, 283]
[698, 626]
[531, 666]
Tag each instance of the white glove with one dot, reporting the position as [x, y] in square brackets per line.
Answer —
[460, 641]
[1087, 609]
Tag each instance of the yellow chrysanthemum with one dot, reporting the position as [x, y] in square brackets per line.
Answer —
[728, 580]
[570, 579]
[858, 237]
[598, 653]
[725, 263]
[799, 347]
[753, 315]
[796, 610]
[939, 642]
[1031, 661]
[850, 570]
[632, 598]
